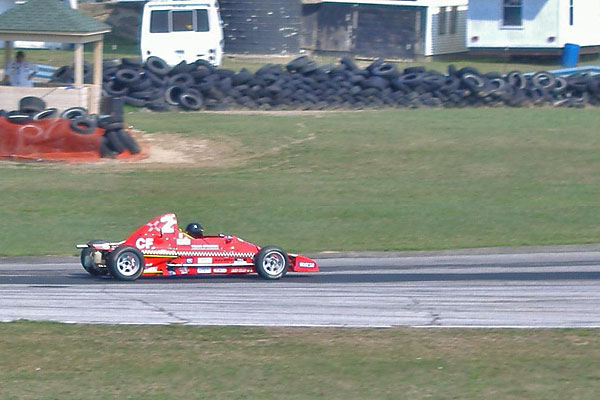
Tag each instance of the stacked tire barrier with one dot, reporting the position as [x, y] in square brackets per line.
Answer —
[34, 131]
[304, 85]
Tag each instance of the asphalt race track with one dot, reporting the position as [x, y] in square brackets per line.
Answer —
[473, 290]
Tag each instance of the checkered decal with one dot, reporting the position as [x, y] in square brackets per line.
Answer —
[195, 253]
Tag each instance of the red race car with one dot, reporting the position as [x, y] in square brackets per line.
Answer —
[160, 248]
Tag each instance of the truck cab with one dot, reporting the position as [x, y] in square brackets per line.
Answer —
[182, 30]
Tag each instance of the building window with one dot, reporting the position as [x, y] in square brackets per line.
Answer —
[453, 20]
[571, 12]
[442, 21]
[512, 12]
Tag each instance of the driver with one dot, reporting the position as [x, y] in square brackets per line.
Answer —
[195, 230]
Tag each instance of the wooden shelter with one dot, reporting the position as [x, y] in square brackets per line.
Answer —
[53, 21]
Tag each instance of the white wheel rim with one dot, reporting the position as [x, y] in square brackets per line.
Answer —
[273, 263]
[128, 264]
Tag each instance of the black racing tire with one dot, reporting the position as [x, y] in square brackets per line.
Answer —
[106, 120]
[516, 79]
[311, 66]
[434, 81]
[191, 101]
[128, 76]
[181, 68]
[113, 142]
[128, 141]
[113, 126]
[143, 84]
[47, 113]
[125, 263]
[173, 93]
[158, 105]
[17, 117]
[241, 78]
[132, 101]
[411, 79]
[115, 88]
[271, 263]
[83, 125]
[414, 70]
[348, 63]
[474, 82]
[74, 112]
[578, 82]
[104, 150]
[132, 61]
[183, 79]
[386, 70]
[157, 66]
[31, 105]
[297, 63]
[87, 263]
[543, 79]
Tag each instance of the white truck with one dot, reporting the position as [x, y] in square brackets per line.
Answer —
[182, 30]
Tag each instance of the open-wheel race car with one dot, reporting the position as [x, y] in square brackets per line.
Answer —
[160, 248]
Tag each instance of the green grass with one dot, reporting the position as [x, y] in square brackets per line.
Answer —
[372, 180]
[115, 48]
[53, 361]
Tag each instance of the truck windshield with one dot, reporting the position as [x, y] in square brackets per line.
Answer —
[179, 21]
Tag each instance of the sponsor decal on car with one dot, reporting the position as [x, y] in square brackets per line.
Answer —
[203, 270]
[184, 241]
[241, 270]
[183, 270]
[305, 264]
[189, 260]
[220, 270]
[205, 246]
[204, 260]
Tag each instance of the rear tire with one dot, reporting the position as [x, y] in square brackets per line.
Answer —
[126, 263]
[87, 262]
[271, 263]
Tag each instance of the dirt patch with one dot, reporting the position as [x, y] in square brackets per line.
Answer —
[166, 149]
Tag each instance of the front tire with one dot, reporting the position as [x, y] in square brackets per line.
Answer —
[126, 263]
[271, 263]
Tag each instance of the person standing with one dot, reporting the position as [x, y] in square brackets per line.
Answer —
[21, 72]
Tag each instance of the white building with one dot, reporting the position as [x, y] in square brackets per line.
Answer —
[533, 26]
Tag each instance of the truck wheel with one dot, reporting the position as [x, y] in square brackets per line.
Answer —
[271, 263]
[126, 263]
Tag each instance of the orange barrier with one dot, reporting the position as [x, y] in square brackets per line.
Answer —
[51, 139]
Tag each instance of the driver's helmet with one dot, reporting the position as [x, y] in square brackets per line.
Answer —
[194, 229]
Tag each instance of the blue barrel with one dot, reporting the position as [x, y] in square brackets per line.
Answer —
[570, 55]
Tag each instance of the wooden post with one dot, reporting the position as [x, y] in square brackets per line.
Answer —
[7, 58]
[97, 92]
[78, 65]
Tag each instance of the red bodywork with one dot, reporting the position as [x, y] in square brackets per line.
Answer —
[169, 251]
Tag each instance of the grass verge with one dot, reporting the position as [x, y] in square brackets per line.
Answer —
[54, 361]
[377, 180]
[113, 50]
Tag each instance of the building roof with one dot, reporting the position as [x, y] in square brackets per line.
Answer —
[49, 16]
